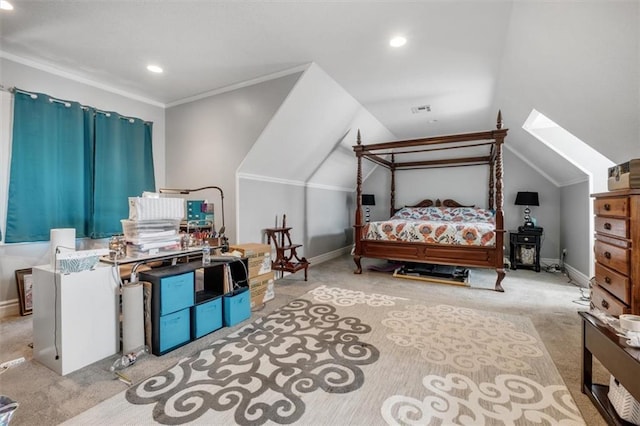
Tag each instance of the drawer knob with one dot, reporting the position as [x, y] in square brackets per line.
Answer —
[607, 226]
[605, 304]
[607, 255]
[607, 206]
[526, 238]
[607, 280]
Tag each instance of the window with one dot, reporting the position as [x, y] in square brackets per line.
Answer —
[73, 166]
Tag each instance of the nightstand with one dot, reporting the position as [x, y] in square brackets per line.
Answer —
[524, 249]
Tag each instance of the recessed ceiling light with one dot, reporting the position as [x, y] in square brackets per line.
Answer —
[5, 5]
[154, 68]
[398, 41]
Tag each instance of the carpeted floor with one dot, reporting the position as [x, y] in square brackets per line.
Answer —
[406, 357]
[397, 361]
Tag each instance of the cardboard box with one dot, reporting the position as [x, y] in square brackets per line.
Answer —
[258, 255]
[262, 288]
[624, 176]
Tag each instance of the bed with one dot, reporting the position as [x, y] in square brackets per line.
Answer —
[444, 233]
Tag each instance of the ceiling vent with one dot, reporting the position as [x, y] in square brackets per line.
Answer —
[421, 108]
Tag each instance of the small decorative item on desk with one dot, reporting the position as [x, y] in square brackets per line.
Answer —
[184, 241]
[117, 247]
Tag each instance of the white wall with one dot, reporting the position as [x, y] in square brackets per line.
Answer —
[577, 63]
[207, 139]
[303, 166]
[23, 76]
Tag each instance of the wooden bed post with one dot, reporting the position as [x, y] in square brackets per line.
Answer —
[358, 222]
[392, 203]
[499, 204]
[492, 185]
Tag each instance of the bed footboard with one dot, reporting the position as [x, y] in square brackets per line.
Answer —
[469, 256]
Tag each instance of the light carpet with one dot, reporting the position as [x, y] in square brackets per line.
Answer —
[337, 356]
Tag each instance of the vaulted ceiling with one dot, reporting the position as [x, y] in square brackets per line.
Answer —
[576, 62]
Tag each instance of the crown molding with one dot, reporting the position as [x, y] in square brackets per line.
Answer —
[70, 76]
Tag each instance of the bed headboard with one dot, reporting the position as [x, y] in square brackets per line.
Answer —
[446, 203]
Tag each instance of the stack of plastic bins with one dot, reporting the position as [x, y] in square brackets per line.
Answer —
[150, 237]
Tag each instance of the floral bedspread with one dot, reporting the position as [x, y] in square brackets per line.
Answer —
[440, 225]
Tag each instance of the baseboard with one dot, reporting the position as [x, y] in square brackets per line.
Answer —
[9, 308]
[577, 276]
[328, 256]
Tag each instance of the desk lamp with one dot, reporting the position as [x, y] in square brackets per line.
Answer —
[527, 199]
[223, 238]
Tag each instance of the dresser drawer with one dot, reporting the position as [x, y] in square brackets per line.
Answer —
[618, 206]
[605, 302]
[615, 283]
[611, 226]
[616, 258]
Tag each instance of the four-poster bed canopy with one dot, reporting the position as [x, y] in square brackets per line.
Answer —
[454, 235]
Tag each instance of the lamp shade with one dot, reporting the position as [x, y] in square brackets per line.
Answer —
[368, 200]
[527, 199]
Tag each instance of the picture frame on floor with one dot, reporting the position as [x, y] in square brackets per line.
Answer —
[24, 280]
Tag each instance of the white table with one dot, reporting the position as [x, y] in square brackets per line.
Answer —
[75, 317]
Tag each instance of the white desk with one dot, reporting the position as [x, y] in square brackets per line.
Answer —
[75, 317]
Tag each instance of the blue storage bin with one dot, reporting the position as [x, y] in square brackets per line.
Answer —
[206, 317]
[176, 293]
[236, 306]
[175, 330]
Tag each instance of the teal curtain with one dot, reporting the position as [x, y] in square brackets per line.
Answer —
[123, 169]
[50, 182]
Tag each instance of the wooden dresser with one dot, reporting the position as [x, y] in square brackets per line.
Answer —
[617, 252]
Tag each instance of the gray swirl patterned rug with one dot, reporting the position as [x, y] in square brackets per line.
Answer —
[337, 357]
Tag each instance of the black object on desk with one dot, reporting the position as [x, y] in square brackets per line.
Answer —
[524, 248]
[621, 361]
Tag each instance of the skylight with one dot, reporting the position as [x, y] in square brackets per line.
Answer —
[574, 150]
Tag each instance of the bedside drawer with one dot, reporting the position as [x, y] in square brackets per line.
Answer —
[618, 206]
[611, 226]
[525, 239]
[615, 283]
[605, 302]
[613, 257]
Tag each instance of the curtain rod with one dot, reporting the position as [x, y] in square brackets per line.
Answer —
[14, 90]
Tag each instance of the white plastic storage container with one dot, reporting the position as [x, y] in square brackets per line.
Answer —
[146, 208]
[140, 231]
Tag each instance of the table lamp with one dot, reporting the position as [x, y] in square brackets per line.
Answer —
[368, 200]
[527, 199]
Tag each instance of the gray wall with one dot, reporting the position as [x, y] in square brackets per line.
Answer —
[208, 139]
[320, 218]
[574, 229]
